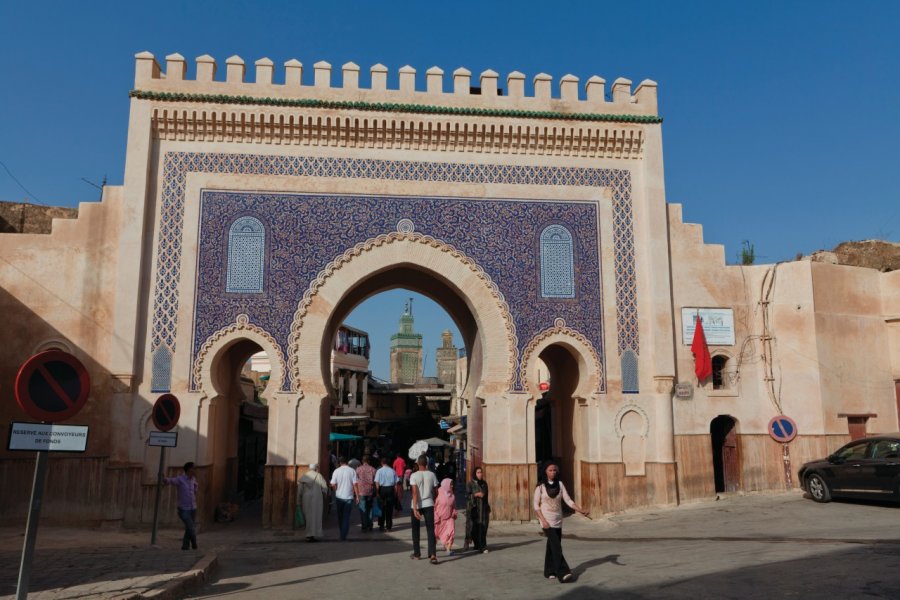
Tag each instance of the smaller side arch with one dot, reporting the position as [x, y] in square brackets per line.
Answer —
[592, 380]
[220, 341]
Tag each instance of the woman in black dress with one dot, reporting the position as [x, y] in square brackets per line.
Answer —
[478, 510]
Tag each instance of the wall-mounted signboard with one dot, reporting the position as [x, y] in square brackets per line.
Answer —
[718, 325]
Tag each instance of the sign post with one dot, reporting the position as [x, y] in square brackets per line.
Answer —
[783, 429]
[51, 386]
[166, 412]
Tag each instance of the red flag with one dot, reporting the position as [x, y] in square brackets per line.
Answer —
[702, 360]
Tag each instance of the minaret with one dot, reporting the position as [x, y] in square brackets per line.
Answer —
[446, 359]
[406, 350]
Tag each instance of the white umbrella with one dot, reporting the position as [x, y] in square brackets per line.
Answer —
[418, 449]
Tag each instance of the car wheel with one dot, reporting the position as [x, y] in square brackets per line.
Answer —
[817, 487]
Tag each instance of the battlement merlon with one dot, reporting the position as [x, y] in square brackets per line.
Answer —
[149, 77]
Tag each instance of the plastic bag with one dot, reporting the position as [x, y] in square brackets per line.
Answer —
[299, 519]
[376, 509]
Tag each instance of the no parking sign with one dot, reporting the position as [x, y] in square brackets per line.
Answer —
[782, 429]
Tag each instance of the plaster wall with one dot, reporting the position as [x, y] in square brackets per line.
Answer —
[55, 290]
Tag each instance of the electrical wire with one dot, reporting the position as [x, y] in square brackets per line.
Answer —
[19, 183]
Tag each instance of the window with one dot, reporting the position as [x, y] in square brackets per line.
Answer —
[246, 256]
[629, 373]
[161, 370]
[557, 263]
[854, 452]
[719, 377]
[886, 449]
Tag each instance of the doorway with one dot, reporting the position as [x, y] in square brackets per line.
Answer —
[555, 416]
[726, 460]
[238, 427]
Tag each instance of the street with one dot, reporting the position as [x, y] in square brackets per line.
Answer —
[742, 547]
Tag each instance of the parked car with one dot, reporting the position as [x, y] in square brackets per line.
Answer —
[864, 468]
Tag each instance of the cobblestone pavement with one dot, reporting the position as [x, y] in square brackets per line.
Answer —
[92, 564]
[742, 547]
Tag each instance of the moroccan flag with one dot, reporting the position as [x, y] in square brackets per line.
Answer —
[702, 360]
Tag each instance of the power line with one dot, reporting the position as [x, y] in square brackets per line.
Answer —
[8, 172]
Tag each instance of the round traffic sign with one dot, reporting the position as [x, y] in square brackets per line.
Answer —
[782, 429]
[52, 386]
[166, 412]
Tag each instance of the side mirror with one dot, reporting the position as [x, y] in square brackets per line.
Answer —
[834, 459]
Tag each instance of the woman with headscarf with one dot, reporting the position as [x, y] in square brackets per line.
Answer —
[548, 498]
[445, 515]
[478, 510]
[312, 492]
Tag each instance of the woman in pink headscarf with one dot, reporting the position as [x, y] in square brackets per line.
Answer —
[445, 515]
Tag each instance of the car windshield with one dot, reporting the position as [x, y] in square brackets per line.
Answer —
[854, 452]
[886, 449]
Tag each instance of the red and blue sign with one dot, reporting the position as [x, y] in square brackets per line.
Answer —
[52, 386]
[166, 412]
[782, 429]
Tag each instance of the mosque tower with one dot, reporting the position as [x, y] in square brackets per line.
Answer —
[446, 357]
[406, 350]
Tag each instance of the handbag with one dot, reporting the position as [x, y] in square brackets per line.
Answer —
[376, 509]
[299, 519]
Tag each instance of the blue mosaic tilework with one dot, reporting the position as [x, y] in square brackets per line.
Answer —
[308, 231]
[176, 166]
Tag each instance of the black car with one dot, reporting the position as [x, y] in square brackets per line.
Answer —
[865, 468]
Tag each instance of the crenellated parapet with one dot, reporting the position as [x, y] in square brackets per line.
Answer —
[443, 113]
[460, 90]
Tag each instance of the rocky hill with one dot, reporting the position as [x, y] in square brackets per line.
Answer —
[873, 254]
[21, 217]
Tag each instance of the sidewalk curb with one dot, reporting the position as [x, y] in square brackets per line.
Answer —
[185, 583]
[188, 581]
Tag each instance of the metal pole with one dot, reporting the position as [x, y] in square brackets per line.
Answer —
[34, 515]
[159, 483]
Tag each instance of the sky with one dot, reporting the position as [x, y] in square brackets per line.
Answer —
[781, 119]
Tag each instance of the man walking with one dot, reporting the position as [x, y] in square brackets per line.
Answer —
[399, 469]
[385, 485]
[186, 486]
[346, 492]
[423, 483]
[365, 477]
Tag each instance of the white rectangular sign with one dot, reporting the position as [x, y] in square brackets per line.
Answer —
[718, 325]
[169, 439]
[48, 436]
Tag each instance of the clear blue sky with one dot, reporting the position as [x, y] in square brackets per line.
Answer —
[782, 119]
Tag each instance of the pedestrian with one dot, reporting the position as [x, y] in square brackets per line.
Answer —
[445, 515]
[346, 493]
[423, 484]
[365, 477]
[312, 492]
[478, 511]
[186, 487]
[548, 498]
[386, 490]
[399, 469]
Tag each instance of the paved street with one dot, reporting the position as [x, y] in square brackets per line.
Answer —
[744, 547]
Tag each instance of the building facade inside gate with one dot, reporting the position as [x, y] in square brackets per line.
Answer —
[262, 204]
